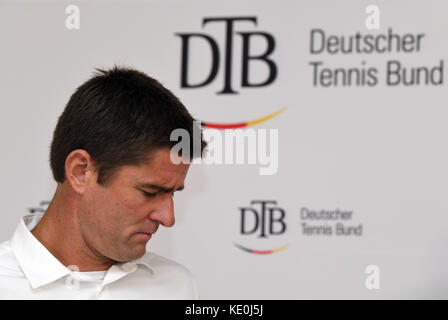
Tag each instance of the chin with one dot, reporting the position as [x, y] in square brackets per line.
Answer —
[137, 252]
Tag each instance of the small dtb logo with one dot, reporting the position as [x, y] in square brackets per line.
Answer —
[263, 218]
[268, 215]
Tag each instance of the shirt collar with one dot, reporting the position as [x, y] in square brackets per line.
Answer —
[121, 269]
[37, 263]
[41, 267]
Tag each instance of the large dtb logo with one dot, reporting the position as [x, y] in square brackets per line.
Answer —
[262, 219]
[247, 57]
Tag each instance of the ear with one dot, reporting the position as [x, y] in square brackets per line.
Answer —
[79, 170]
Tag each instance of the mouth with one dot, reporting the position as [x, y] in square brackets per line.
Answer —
[143, 235]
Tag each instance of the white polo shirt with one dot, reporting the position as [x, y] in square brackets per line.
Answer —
[29, 271]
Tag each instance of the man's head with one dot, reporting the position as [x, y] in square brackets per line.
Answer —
[111, 150]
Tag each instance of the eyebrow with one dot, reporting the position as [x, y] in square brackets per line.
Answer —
[159, 187]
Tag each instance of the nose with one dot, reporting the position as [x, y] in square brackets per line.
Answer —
[164, 210]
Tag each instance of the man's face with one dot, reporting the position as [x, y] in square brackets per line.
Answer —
[117, 220]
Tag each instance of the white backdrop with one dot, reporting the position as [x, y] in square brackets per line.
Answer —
[377, 151]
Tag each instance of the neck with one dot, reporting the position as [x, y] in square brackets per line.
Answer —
[59, 232]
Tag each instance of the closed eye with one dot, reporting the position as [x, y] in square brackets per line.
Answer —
[150, 195]
[154, 194]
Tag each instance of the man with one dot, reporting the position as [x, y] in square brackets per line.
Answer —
[110, 156]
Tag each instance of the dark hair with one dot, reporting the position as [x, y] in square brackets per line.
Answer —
[119, 116]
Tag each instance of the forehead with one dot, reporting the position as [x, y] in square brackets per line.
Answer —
[157, 169]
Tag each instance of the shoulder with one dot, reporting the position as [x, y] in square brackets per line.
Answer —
[9, 266]
[160, 264]
[172, 273]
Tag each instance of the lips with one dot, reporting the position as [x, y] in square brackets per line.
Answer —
[144, 235]
[147, 234]
[148, 231]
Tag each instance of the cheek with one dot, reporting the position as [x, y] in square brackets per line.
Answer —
[101, 209]
[94, 212]
[123, 211]
[113, 213]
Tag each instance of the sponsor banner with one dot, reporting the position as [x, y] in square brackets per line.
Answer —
[326, 121]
